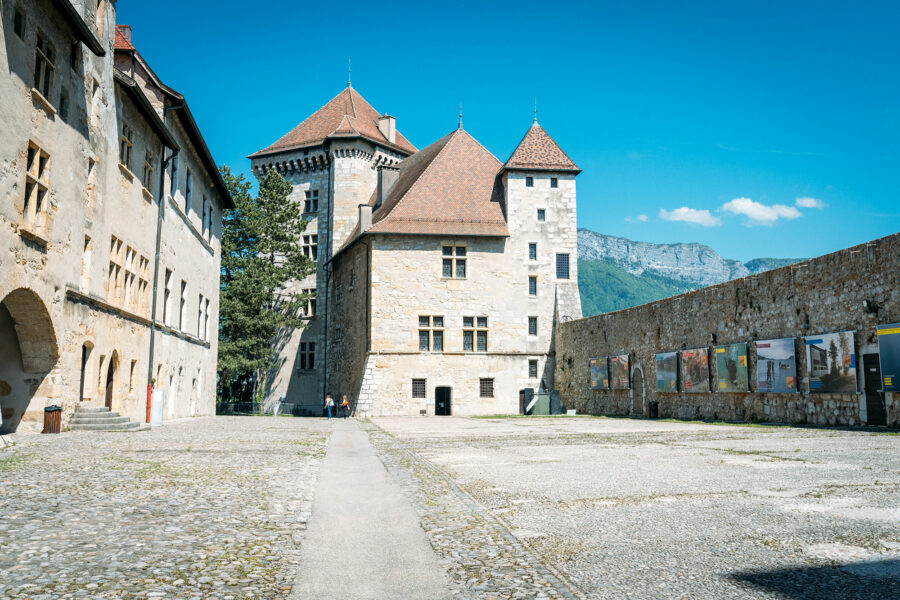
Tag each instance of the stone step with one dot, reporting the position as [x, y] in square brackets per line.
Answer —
[91, 409]
[94, 415]
[88, 420]
[129, 426]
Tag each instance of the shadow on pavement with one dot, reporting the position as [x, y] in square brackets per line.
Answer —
[874, 580]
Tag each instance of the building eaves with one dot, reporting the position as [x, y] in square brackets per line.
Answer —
[76, 22]
[140, 100]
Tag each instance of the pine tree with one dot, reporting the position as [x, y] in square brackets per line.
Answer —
[261, 256]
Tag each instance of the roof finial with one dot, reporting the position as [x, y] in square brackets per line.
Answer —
[460, 115]
[535, 110]
[349, 72]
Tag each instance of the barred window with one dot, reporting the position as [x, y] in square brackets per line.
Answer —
[453, 262]
[532, 251]
[541, 214]
[532, 325]
[431, 333]
[307, 356]
[418, 388]
[532, 286]
[532, 369]
[486, 388]
[562, 266]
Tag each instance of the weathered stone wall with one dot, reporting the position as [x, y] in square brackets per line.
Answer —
[822, 295]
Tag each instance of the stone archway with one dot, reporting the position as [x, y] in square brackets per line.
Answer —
[28, 352]
[637, 392]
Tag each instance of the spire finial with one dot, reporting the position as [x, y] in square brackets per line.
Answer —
[535, 110]
[460, 115]
[349, 73]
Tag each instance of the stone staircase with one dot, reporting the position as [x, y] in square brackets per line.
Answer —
[99, 418]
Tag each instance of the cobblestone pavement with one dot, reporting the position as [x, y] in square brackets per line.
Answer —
[204, 508]
[622, 508]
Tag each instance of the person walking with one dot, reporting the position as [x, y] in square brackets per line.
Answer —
[345, 406]
[329, 404]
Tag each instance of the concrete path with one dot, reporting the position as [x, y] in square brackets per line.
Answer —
[364, 540]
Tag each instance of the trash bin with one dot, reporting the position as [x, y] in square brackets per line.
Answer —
[52, 418]
[653, 409]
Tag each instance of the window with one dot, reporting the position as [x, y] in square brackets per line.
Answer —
[529, 182]
[143, 281]
[182, 306]
[475, 334]
[130, 276]
[147, 173]
[532, 369]
[125, 146]
[541, 215]
[311, 204]
[74, 54]
[203, 216]
[37, 184]
[532, 251]
[205, 335]
[86, 264]
[418, 388]
[431, 333]
[199, 315]
[532, 285]
[307, 356]
[131, 376]
[311, 247]
[451, 255]
[486, 388]
[532, 325]
[309, 307]
[44, 65]
[554, 182]
[167, 296]
[173, 181]
[209, 224]
[562, 266]
[114, 281]
[64, 105]
[19, 23]
[188, 184]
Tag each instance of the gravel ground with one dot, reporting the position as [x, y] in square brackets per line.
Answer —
[622, 508]
[204, 508]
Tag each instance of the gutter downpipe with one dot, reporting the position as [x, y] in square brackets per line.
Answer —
[159, 222]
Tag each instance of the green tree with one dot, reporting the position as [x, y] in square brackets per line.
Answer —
[835, 357]
[261, 256]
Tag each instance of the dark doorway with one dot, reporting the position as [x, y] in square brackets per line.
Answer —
[110, 376]
[637, 393]
[521, 402]
[442, 401]
[875, 414]
[84, 358]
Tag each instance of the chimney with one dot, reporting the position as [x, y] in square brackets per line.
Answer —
[387, 125]
[365, 217]
[125, 30]
[387, 177]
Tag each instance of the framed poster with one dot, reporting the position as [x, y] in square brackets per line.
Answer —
[731, 368]
[695, 370]
[831, 363]
[776, 366]
[599, 374]
[618, 372]
[667, 372]
[889, 356]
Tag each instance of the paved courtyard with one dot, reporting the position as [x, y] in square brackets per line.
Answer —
[451, 508]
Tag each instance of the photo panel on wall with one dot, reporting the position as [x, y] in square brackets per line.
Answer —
[599, 373]
[618, 372]
[831, 363]
[695, 370]
[889, 356]
[731, 368]
[776, 366]
[667, 372]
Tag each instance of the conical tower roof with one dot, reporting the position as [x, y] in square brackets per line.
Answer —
[346, 115]
[538, 152]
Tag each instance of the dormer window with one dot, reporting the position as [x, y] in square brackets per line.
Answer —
[529, 182]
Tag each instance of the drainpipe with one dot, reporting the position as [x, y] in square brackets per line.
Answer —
[159, 222]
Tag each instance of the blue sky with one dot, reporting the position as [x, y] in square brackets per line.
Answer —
[760, 129]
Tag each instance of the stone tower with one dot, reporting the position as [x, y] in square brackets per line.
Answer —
[332, 160]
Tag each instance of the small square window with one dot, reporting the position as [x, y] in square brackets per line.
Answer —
[554, 183]
[532, 286]
[424, 321]
[532, 369]
[532, 325]
[460, 250]
[529, 182]
[482, 321]
[448, 250]
[541, 214]
[418, 388]
[532, 251]
[438, 321]
[486, 388]
[468, 321]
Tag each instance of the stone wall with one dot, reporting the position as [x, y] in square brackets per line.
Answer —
[822, 295]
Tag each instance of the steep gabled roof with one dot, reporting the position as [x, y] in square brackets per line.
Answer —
[449, 188]
[122, 42]
[538, 152]
[345, 115]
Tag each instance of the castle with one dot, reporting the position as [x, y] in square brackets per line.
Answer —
[441, 274]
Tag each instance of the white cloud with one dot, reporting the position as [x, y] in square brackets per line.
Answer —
[758, 213]
[810, 203]
[637, 219]
[690, 215]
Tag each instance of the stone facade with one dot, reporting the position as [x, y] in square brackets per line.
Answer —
[77, 271]
[818, 296]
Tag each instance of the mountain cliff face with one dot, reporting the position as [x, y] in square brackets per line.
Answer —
[616, 273]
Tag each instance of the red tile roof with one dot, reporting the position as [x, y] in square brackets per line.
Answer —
[122, 42]
[345, 115]
[449, 188]
[537, 151]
